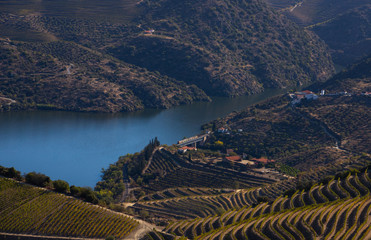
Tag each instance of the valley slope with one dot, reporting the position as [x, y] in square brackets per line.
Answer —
[112, 64]
[343, 25]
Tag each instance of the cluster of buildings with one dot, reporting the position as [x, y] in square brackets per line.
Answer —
[306, 94]
[309, 95]
[223, 130]
[236, 159]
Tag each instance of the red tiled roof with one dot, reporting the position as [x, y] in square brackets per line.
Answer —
[263, 160]
[233, 158]
[188, 148]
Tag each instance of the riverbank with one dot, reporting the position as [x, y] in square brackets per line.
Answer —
[76, 146]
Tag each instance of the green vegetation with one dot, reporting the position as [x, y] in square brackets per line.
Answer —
[10, 173]
[223, 54]
[343, 25]
[107, 63]
[112, 184]
[274, 130]
[169, 170]
[62, 75]
[30, 210]
[287, 169]
[355, 79]
[37, 179]
[323, 215]
[355, 25]
[61, 186]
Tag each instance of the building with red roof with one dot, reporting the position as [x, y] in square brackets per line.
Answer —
[263, 160]
[185, 149]
[233, 158]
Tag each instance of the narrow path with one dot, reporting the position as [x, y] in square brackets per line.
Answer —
[143, 228]
[9, 100]
[128, 189]
[126, 192]
[325, 128]
[296, 5]
[150, 159]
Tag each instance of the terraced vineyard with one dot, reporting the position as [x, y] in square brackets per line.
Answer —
[186, 203]
[199, 205]
[183, 192]
[30, 210]
[338, 210]
[175, 171]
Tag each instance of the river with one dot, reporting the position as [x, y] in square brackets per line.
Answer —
[76, 146]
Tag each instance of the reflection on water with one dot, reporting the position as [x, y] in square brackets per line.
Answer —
[76, 146]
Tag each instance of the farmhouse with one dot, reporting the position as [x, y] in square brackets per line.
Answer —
[185, 149]
[262, 160]
[233, 159]
[306, 94]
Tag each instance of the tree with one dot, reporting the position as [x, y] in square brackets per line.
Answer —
[75, 191]
[38, 179]
[89, 195]
[61, 186]
[10, 173]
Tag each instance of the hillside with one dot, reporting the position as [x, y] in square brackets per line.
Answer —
[168, 170]
[343, 25]
[309, 12]
[61, 75]
[354, 79]
[30, 210]
[109, 63]
[225, 47]
[334, 210]
[300, 137]
[277, 145]
[348, 34]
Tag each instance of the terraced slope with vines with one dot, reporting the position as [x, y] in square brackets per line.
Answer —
[169, 170]
[30, 210]
[340, 209]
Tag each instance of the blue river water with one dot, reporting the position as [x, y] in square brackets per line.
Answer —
[76, 146]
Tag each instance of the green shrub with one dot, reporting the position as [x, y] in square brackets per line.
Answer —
[38, 179]
[61, 186]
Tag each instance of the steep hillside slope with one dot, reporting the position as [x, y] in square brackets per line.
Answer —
[66, 76]
[348, 34]
[355, 79]
[224, 47]
[31, 210]
[219, 47]
[344, 25]
[310, 12]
